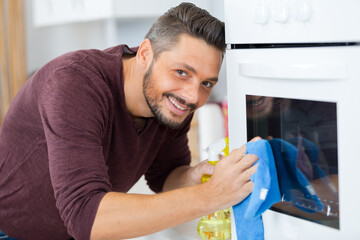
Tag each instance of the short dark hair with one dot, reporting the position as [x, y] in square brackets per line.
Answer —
[186, 19]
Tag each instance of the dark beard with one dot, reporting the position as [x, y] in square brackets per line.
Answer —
[151, 102]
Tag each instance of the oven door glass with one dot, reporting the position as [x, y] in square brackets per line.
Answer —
[303, 137]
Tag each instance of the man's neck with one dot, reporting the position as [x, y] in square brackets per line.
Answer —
[133, 88]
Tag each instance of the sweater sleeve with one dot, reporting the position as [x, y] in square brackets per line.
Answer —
[74, 111]
[174, 152]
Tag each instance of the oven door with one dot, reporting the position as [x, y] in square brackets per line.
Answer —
[308, 98]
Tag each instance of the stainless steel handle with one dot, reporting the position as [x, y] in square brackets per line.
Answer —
[328, 71]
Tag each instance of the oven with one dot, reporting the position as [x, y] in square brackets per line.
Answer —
[293, 75]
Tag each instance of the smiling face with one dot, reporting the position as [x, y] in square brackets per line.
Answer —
[180, 80]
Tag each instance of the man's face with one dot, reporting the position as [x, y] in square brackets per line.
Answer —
[180, 80]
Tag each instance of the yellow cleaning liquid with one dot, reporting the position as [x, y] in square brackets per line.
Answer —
[217, 225]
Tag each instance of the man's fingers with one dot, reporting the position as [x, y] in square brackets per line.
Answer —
[250, 171]
[246, 189]
[204, 167]
[208, 169]
[239, 153]
[248, 160]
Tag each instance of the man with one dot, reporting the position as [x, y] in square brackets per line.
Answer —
[90, 123]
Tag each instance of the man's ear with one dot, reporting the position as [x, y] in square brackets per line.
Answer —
[145, 54]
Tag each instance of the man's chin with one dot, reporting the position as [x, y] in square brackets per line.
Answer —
[169, 119]
[170, 122]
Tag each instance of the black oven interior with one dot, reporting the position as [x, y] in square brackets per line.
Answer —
[303, 137]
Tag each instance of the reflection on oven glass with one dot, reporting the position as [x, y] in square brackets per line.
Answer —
[303, 137]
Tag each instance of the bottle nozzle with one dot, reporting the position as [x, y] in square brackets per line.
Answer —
[218, 147]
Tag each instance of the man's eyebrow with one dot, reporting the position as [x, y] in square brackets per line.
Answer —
[214, 79]
[191, 69]
[188, 67]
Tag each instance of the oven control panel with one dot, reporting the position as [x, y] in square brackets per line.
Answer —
[281, 12]
[291, 21]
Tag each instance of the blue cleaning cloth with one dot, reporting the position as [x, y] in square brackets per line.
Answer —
[277, 178]
[265, 193]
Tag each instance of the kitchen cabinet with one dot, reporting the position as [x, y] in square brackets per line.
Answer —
[55, 12]
[145, 8]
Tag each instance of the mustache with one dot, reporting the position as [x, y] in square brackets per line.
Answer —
[191, 106]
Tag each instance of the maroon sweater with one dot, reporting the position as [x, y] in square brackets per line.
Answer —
[68, 139]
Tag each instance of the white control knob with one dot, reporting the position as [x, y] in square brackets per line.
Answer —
[302, 11]
[261, 14]
[280, 13]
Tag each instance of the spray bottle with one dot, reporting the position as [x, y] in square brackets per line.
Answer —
[217, 225]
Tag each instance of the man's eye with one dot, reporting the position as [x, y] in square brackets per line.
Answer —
[181, 73]
[208, 84]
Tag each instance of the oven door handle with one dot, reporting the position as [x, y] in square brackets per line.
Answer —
[308, 71]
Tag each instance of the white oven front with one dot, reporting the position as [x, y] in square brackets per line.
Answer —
[293, 77]
[307, 96]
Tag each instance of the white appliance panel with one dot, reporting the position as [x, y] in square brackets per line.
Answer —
[291, 21]
[327, 74]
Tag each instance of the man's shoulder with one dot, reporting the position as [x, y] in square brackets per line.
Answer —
[86, 56]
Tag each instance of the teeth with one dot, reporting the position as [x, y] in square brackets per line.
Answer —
[176, 104]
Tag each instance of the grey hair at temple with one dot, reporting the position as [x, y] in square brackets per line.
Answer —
[186, 19]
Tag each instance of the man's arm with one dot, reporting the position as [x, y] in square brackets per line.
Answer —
[123, 215]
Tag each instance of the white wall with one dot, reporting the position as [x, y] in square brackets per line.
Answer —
[46, 43]
[132, 31]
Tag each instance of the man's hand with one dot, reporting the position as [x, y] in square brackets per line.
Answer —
[195, 173]
[230, 182]
[230, 179]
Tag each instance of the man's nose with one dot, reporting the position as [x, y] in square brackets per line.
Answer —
[191, 93]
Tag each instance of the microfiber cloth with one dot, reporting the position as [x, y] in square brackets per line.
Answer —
[277, 178]
[265, 193]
